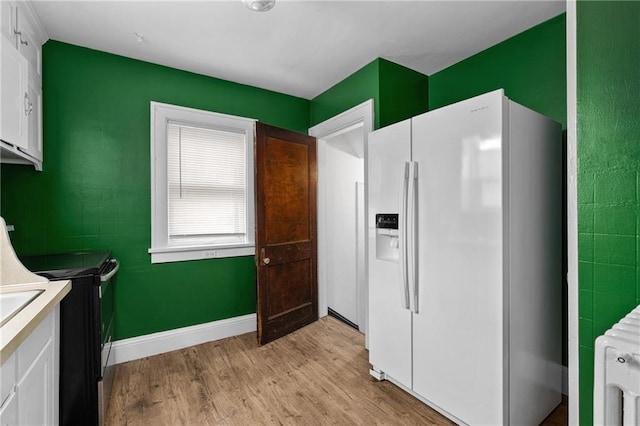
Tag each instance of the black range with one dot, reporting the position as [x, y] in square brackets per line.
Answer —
[86, 331]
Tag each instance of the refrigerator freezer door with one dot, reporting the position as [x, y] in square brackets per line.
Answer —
[458, 330]
[389, 323]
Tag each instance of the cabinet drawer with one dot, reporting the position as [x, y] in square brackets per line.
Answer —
[33, 345]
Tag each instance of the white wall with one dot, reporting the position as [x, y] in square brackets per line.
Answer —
[344, 170]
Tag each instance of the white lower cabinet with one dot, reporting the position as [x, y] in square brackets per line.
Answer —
[9, 411]
[33, 398]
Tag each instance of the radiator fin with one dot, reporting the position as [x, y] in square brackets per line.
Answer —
[617, 374]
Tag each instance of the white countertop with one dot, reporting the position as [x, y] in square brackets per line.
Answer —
[16, 330]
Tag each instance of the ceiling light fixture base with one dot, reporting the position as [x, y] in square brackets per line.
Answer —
[259, 5]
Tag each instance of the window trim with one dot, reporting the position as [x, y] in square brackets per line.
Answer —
[161, 250]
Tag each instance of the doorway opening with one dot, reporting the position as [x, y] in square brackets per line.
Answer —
[342, 218]
[344, 222]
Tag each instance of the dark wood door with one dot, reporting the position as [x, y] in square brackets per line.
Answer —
[286, 248]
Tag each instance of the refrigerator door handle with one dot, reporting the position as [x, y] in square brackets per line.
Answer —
[402, 237]
[412, 236]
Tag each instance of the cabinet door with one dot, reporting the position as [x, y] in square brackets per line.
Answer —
[389, 318]
[36, 390]
[35, 120]
[27, 43]
[9, 411]
[14, 96]
[7, 378]
[7, 12]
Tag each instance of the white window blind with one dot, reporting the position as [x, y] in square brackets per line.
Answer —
[206, 174]
[202, 189]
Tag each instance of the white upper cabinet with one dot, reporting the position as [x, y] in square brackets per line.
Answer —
[15, 97]
[6, 19]
[21, 117]
[28, 41]
[34, 146]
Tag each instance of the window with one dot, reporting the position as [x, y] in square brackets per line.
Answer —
[202, 184]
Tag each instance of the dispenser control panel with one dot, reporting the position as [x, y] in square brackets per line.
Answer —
[387, 239]
[386, 221]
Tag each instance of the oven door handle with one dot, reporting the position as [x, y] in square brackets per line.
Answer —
[110, 274]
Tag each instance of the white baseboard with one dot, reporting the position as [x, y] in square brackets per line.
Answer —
[167, 341]
[565, 380]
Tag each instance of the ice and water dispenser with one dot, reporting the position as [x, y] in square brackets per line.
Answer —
[387, 243]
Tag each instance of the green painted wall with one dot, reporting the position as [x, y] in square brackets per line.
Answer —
[608, 38]
[397, 92]
[353, 90]
[403, 92]
[94, 191]
[530, 66]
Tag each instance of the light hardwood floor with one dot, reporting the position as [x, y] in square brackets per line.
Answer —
[315, 376]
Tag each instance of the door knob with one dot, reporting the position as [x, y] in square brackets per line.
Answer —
[266, 260]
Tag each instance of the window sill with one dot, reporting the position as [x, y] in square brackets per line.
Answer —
[180, 254]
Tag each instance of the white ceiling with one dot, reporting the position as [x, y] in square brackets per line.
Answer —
[299, 47]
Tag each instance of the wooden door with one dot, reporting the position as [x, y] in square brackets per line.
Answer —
[286, 248]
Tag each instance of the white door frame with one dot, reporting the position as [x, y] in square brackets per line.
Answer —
[360, 115]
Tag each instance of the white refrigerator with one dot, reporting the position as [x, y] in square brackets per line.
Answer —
[465, 260]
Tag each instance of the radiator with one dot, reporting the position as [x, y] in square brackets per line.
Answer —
[616, 397]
